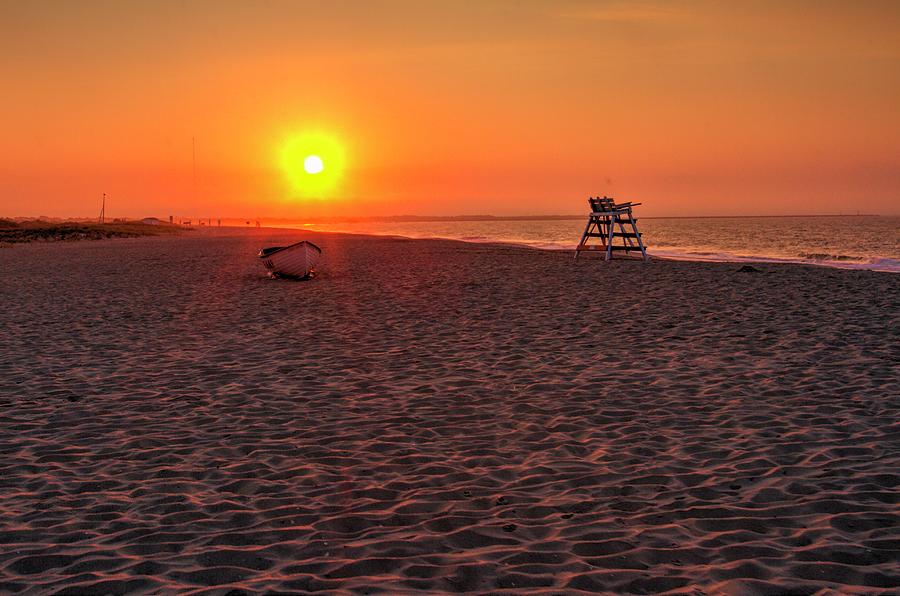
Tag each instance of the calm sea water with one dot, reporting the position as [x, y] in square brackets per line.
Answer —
[859, 242]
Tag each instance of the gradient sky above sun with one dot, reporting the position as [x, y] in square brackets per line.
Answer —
[449, 107]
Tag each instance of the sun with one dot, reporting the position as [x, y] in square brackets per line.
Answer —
[313, 163]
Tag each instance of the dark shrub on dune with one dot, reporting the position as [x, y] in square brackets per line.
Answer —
[39, 231]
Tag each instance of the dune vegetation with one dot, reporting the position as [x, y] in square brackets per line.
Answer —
[12, 231]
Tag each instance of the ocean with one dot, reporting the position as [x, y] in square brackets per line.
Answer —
[850, 242]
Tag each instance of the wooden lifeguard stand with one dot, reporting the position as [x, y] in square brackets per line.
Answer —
[603, 220]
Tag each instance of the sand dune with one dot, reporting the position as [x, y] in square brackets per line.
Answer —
[442, 417]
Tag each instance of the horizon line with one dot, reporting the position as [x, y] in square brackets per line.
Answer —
[425, 218]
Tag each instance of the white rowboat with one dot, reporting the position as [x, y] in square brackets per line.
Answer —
[297, 261]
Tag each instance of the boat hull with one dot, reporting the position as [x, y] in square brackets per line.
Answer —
[297, 261]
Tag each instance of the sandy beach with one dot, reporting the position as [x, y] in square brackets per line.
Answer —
[440, 417]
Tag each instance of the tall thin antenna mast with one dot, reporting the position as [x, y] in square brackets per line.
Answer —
[103, 209]
[194, 167]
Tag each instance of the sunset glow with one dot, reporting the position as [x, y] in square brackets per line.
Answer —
[508, 108]
[313, 164]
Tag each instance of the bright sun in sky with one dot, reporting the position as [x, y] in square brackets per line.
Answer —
[313, 164]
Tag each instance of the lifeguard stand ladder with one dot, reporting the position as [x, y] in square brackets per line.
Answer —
[605, 217]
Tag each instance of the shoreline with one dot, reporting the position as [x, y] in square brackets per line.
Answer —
[49, 232]
[883, 265]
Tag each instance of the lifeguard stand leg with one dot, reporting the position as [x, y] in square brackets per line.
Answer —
[609, 240]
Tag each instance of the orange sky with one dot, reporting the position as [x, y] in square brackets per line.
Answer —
[451, 107]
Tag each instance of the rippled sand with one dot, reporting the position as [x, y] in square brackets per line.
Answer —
[445, 417]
